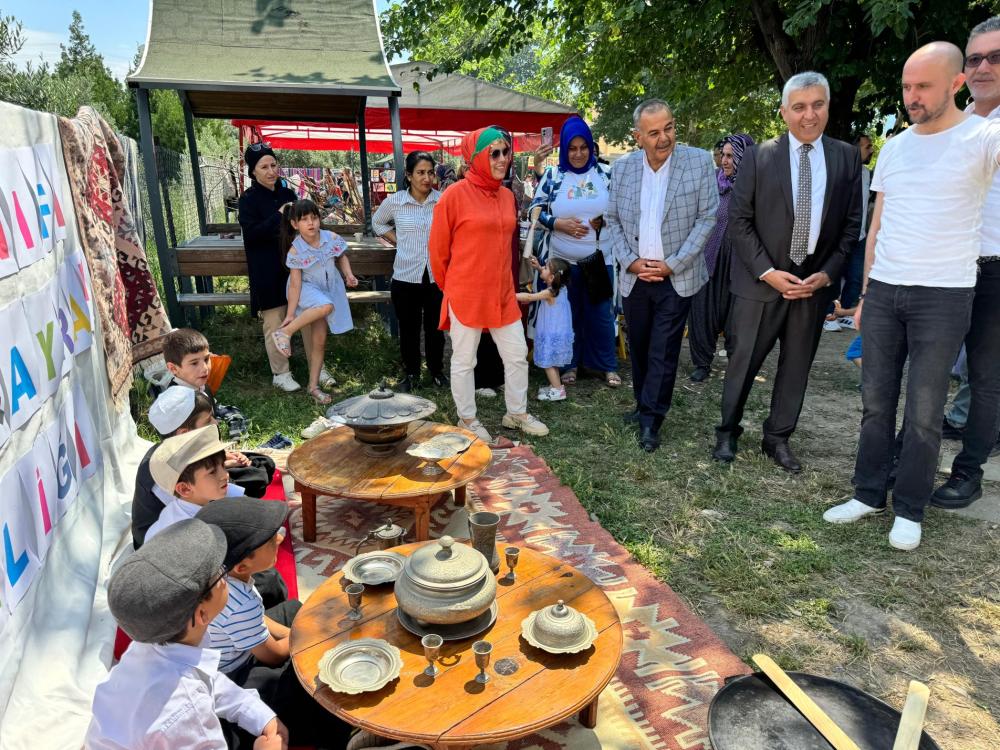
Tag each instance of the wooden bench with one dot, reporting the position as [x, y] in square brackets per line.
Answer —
[214, 255]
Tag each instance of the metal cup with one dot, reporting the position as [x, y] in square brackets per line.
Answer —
[432, 650]
[354, 592]
[510, 556]
[482, 650]
[483, 530]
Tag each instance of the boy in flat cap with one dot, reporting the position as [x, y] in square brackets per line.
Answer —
[191, 465]
[253, 643]
[167, 691]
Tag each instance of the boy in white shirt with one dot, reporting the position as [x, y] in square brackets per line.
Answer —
[167, 691]
[192, 465]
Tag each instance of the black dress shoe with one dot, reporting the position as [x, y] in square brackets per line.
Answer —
[631, 417]
[406, 384]
[950, 432]
[649, 440]
[440, 380]
[957, 492]
[782, 456]
[725, 449]
[700, 374]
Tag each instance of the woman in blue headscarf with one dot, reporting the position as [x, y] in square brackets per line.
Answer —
[710, 306]
[572, 199]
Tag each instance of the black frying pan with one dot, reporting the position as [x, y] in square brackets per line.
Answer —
[750, 713]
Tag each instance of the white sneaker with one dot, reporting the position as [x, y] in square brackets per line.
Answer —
[831, 325]
[486, 393]
[905, 534]
[285, 382]
[326, 380]
[317, 428]
[526, 423]
[554, 394]
[849, 512]
[846, 323]
[477, 427]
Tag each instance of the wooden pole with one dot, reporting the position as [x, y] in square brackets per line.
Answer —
[165, 253]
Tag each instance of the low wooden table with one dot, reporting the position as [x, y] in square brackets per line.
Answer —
[453, 711]
[336, 464]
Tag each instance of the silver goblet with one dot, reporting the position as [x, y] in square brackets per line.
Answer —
[482, 650]
[432, 650]
[354, 592]
[511, 555]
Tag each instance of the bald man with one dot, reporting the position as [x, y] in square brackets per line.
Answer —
[920, 274]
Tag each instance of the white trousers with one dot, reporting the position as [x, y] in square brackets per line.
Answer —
[513, 351]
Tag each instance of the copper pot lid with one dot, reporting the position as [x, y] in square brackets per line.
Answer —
[381, 407]
[442, 565]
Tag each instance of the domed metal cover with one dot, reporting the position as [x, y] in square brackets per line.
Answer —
[559, 629]
[381, 407]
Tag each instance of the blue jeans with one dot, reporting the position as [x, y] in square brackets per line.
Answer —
[854, 271]
[925, 325]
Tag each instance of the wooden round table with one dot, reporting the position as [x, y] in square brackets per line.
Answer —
[336, 464]
[528, 689]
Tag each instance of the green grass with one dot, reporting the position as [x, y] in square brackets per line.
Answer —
[744, 544]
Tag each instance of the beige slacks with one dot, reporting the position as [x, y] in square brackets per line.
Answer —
[513, 351]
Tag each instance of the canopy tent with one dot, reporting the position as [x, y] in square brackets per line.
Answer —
[435, 111]
[239, 59]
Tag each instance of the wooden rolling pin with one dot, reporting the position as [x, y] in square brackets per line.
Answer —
[805, 705]
[911, 723]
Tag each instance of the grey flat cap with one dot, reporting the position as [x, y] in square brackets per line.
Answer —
[154, 592]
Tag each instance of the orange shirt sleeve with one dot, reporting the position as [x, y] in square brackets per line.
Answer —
[439, 243]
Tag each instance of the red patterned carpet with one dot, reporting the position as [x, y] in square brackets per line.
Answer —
[672, 663]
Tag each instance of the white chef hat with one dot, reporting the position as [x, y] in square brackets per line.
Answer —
[171, 409]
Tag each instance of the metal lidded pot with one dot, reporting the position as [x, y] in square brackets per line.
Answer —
[559, 629]
[381, 418]
[443, 583]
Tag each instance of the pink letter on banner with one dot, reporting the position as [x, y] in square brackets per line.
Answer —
[18, 186]
[88, 446]
[38, 483]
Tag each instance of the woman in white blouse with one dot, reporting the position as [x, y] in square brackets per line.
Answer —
[404, 219]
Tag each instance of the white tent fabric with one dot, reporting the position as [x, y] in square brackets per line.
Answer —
[56, 638]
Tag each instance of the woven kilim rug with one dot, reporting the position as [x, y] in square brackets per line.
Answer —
[672, 663]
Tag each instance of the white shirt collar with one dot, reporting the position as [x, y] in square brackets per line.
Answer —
[971, 109]
[664, 168]
[432, 198]
[794, 143]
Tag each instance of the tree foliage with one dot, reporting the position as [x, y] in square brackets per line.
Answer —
[720, 63]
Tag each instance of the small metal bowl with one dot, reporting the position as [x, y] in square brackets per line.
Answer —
[373, 568]
[360, 666]
[559, 629]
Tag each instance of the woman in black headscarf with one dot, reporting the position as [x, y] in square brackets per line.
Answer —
[710, 306]
[260, 219]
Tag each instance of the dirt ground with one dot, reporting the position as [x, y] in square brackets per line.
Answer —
[932, 615]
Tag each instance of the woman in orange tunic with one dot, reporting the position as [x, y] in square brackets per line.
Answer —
[470, 259]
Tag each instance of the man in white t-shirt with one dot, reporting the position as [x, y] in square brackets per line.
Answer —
[920, 267]
[982, 343]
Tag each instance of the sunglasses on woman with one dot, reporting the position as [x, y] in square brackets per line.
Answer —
[500, 153]
[974, 61]
[259, 146]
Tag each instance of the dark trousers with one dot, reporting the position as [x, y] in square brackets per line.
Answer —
[254, 478]
[593, 327]
[418, 306]
[655, 315]
[307, 721]
[982, 349]
[926, 325]
[754, 328]
[854, 272]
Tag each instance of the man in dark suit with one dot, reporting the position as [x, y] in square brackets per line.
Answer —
[795, 215]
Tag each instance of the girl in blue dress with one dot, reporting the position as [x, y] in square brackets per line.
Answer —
[316, 293]
[553, 325]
